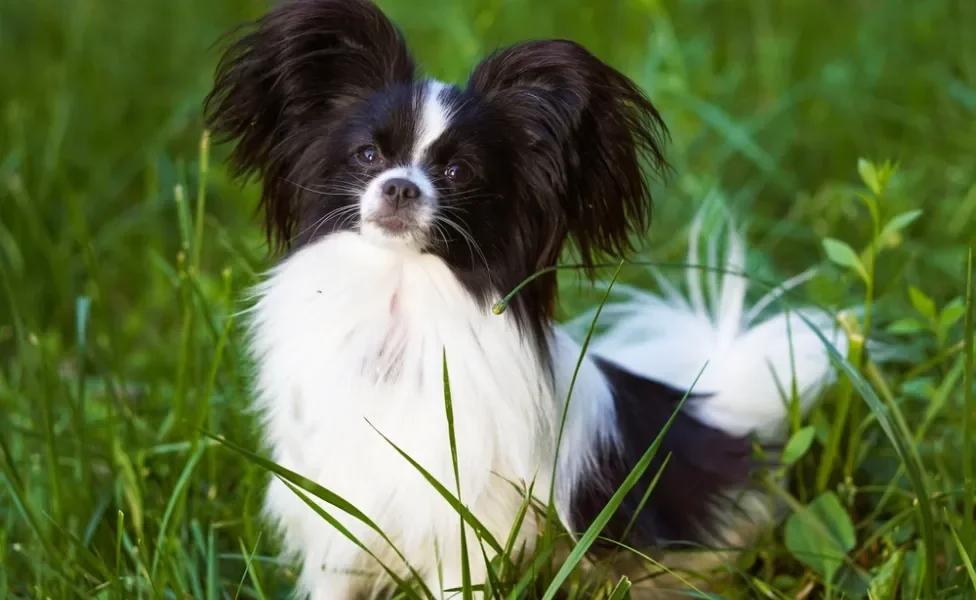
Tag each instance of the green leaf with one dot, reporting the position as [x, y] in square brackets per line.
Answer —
[798, 445]
[869, 175]
[905, 327]
[884, 584]
[922, 303]
[899, 222]
[821, 535]
[840, 253]
[952, 313]
[895, 427]
[886, 172]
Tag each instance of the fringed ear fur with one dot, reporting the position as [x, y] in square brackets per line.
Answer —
[597, 135]
[281, 83]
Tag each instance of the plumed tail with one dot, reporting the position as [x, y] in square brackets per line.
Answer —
[747, 359]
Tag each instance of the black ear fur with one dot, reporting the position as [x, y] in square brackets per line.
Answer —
[298, 65]
[595, 135]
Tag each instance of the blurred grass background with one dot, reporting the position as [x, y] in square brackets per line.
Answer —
[117, 334]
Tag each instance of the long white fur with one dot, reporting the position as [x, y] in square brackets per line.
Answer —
[349, 337]
[745, 362]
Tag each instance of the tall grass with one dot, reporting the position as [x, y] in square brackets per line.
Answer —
[125, 248]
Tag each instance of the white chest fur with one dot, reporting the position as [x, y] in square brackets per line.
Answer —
[349, 339]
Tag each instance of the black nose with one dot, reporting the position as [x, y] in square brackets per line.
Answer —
[400, 192]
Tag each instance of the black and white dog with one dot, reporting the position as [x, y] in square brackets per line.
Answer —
[407, 208]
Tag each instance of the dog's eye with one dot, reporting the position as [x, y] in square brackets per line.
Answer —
[368, 155]
[458, 172]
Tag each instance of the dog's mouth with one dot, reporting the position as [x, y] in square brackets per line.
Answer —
[394, 224]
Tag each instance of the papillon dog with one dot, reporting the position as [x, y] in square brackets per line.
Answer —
[403, 209]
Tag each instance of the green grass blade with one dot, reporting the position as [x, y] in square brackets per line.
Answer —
[315, 489]
[551, 515]
[82, 315]
[593, 531]
[172, 506]
[213, 580]
[969, 414]
[119, 529]
[198, 221]
[513, 535]
[621, 590]
[542, 556]
[4, 583]
[693, 590]
[645, 498]
[94, 561]
[967, 561]
[15, 486]
[445, 493]
[349, 536]
[449, 409]
[250, 573]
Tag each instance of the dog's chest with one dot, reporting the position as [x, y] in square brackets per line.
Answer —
[351, 348]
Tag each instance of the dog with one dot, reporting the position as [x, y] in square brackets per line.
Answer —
[402, 209]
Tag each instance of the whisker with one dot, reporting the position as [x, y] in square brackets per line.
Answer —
[469, 240]
[342, 210]
[335, 188]
[327, 188]
[464, 194]
[439, 230]
[351, 216]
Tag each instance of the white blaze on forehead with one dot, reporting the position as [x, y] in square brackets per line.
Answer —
[434, 117]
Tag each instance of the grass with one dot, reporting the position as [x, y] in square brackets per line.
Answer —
[124, 255]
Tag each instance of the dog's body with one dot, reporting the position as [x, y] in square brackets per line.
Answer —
[410, 207]
[326, 383]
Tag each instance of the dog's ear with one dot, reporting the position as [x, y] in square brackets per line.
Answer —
[298, 65]
[593, 133]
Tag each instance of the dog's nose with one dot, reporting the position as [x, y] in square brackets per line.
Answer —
[400, 192]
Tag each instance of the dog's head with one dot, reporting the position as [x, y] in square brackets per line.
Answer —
[545, 143]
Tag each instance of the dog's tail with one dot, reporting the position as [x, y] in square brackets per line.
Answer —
[747, 360]
[748, 368]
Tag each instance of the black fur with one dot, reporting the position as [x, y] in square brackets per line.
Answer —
[702, 463]
[282, 90]
[589, 134]
[559, 144]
